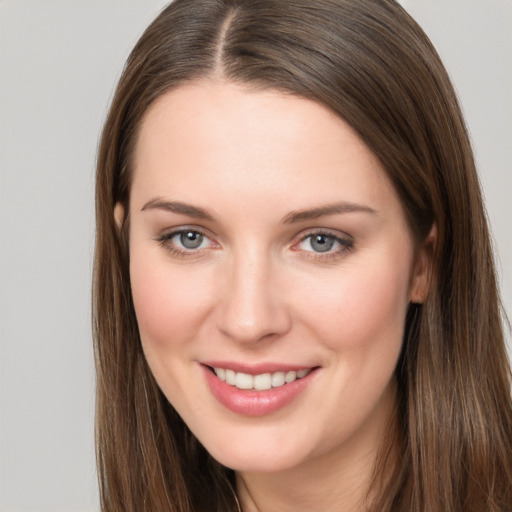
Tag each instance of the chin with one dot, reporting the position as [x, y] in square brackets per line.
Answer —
[257, 454]
[258, 462]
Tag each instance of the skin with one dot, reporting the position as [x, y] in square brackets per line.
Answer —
[257, 290]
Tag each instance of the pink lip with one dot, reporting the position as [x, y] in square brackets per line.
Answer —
[256, 403]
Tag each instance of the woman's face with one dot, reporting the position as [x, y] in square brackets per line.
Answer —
[267, 245]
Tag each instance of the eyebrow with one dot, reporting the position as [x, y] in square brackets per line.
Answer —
[330, 209]
[177, 207]
[291, 218]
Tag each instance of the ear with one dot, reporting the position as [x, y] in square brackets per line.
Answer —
[119, 215]
[420, 281]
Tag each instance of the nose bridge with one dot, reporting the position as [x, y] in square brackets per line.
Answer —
[252, 307]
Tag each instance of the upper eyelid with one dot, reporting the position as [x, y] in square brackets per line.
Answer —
[170, 232]
[325, 231]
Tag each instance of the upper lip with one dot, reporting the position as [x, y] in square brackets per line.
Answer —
[258, 368]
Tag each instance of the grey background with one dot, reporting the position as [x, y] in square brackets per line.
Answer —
[59, 61]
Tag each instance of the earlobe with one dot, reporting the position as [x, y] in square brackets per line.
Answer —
[119, 215]
[420, 283]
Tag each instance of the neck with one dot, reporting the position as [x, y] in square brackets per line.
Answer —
[340, 480]
[294, 490]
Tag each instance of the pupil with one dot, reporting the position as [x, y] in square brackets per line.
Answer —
[322, 243]
[191, 239]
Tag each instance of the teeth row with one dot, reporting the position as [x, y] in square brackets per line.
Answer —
[259, 382]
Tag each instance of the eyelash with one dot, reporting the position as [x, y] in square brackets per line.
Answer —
[165, 242]
[344, 244]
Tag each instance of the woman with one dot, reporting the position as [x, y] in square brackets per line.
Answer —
[295, 301]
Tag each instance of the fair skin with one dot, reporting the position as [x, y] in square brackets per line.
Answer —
[293, 252]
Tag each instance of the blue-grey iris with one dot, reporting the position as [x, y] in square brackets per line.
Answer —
[191, 239]
[322, 243]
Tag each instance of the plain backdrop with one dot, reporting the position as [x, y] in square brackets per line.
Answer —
[59, 61]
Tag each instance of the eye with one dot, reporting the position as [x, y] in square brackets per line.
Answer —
[189, 239]
[185, 241]
[324, 243]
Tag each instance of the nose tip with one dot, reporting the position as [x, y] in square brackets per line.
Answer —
[247, 331]
[253, 307]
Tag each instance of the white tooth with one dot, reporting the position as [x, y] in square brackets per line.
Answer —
[277, 379]
[221, 373]
[244, 381]
[263, 381]
[302, 373]
[290, 377]
[230, 377]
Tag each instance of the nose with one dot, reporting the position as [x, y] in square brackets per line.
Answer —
[253, 306]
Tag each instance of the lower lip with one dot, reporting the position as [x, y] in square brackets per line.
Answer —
[256, 403]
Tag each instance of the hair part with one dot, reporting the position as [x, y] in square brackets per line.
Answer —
[371, 65]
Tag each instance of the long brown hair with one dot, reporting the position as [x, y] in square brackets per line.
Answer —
[371, 64]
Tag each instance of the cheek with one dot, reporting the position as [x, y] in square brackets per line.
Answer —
[360, 318]
[365, 307]
[168, 304]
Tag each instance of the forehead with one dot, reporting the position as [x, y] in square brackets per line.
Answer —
[216, 138]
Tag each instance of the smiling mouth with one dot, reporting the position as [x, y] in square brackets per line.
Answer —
[260, 382]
